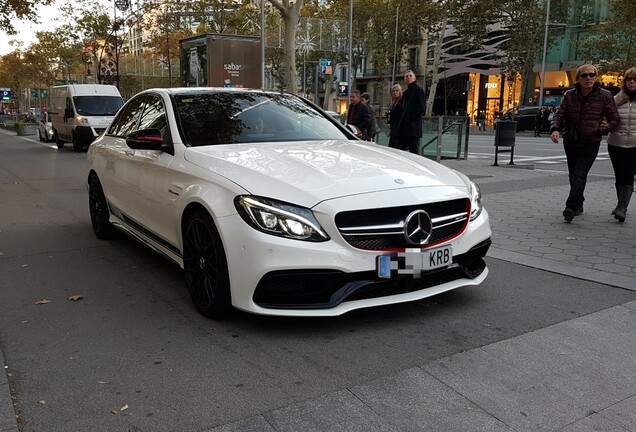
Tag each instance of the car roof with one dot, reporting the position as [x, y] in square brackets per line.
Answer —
[207, 90]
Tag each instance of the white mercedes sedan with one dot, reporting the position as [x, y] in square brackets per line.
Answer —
[271, 206]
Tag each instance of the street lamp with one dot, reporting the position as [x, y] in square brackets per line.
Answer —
[545, 49]
[122, 5]
[397, 17]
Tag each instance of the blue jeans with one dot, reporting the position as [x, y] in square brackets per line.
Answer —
[580, 161]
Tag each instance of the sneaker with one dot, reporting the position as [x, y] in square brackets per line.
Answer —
[568, 214]
[578, 211]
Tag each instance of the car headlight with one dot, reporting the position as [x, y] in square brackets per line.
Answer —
[82, 120]
[279, 218]
[476, 205]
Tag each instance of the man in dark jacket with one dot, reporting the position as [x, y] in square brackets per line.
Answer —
[586, 113]
[359, 114]
[413, 105]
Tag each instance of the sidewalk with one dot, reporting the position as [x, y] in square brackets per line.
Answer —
[525, 207]
[573, 376]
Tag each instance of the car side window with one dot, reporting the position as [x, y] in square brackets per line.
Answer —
[127, 120]
[153, 115]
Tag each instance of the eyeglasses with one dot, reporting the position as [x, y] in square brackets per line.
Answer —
[585, 75]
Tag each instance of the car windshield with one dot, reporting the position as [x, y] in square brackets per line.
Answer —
[97, 105]
[225, 118]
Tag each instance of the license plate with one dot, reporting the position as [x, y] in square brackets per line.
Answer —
[414, 261]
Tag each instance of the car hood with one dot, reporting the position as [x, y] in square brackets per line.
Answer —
[307, 173]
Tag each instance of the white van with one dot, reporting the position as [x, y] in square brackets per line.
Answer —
[80, 112]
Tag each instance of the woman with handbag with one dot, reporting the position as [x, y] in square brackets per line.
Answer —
[621, 144]
[580, 118]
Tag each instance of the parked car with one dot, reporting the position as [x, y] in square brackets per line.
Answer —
[272, 206]
[45, 129]
[525, 116]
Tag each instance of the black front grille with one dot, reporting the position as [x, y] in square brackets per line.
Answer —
[321, 289]
[383, 229]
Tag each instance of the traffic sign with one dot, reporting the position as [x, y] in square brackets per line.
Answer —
[5, 94]
[343, 89]
[39, 93]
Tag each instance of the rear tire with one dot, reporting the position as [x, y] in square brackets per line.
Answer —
[98, 208]
[205, 267]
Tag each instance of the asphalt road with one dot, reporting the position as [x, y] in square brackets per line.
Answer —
[135, 341]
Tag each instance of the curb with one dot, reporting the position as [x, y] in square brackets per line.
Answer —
[8, 421]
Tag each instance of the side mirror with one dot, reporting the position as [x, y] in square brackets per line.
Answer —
[354, 130]
[145, 139]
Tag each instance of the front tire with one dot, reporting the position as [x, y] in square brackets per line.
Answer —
[205, 266]
[77, 146]
[58, 141]
[98, 207]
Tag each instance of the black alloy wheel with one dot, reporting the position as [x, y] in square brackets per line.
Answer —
[98, 207]
[205, 266]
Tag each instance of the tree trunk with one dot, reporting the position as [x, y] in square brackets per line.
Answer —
[435, 75]
[290, 12]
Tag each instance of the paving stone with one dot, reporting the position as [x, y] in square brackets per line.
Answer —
[595, 259]
[615, 268]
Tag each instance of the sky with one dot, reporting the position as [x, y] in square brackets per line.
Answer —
[27, 29]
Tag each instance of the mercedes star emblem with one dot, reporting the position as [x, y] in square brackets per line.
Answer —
[418, 227]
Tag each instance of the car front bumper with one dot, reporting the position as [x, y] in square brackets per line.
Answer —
[278, 276]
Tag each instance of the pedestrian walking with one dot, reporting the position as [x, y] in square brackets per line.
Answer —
[545, 123]
[358, 114]
[580, 120]
[481, 120]
[373, 126]
[413, 105]
[621, 144]
[538, 122]
[393, 117]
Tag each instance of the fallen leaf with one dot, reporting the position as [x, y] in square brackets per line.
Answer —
[102, 382]
[114, 411]
[570, 238]
[76, 298]
[124, 408]
[43, 301]
[42, 402]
